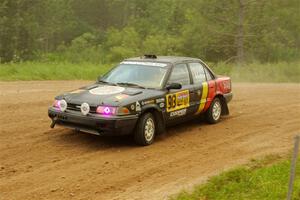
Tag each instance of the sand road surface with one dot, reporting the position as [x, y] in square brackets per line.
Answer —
[37, 162]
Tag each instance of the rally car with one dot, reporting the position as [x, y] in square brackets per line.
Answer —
[143, 95]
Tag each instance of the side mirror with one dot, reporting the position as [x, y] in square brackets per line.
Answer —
[175, 86]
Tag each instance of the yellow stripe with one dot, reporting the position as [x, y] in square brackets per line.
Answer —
[203, 97]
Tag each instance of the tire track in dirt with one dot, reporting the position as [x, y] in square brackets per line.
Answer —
[40, 163]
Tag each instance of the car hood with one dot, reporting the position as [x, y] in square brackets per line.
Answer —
[103, 94]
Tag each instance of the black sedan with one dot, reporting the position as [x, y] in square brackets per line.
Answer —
[141, 96]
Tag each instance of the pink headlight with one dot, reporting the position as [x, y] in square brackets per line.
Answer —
[56, 104]
[106, 110]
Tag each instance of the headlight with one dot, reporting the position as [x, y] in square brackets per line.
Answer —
[60, 104]
[106, 110]
[109, 110]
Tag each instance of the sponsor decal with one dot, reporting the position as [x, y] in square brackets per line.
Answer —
[138, 106]
[178, 113]
[162, 105]
[160, 100]
[147, 102]
[178, 100]
[121, 96]
[107, 90]
[144, 63]
[203, 97]
[77, 91]
[132, 107]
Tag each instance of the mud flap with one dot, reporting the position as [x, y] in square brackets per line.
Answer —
[225, 110]
[160, 122]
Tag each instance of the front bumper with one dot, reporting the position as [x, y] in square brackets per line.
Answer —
[93, 123]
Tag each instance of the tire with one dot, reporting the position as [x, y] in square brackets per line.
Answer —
[213, 114]
[145, 130]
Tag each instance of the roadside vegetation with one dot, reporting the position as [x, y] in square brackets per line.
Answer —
[51, 71]
[102, 31]
[255, 72]
[72, 39]
[261, 179]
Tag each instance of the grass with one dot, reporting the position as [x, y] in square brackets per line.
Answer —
[51, 71]
[261, 179]
[255, 72]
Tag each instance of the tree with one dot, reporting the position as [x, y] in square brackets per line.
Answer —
[215, 30]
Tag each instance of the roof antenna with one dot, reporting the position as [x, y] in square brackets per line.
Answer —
[150, 56]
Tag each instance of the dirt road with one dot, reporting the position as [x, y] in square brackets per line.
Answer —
[37, 162]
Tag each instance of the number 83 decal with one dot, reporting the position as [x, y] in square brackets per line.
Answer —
[178, 100]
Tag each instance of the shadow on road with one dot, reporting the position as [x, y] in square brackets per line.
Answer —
[63, 136]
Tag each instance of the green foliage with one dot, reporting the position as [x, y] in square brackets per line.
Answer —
[162, 45]
[104, 31]
[122, 44]
[81, 50]
[267, 181]
[30, 26]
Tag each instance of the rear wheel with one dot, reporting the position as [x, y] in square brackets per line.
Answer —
[145, 130]
[213, 114]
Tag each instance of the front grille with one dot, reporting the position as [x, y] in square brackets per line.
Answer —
[72, 106]
[76, 107]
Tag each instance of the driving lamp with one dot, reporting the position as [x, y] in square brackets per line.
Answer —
[60, 104]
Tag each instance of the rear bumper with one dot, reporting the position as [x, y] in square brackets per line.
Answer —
[228, 97]
[93, 123]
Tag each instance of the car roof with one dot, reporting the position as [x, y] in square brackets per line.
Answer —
[163, 59]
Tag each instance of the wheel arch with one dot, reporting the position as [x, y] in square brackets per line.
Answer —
[158, 115]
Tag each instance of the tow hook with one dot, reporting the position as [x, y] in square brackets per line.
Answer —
[53, 123]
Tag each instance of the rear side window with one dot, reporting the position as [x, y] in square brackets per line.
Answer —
[198, 73]
[208, 74]
[180, 74]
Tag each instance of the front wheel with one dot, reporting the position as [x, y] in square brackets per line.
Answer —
[145, 130]
[213, 114]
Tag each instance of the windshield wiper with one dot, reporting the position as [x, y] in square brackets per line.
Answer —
[109, 83]
[131, 84]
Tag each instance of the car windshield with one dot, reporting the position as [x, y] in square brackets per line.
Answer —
[136, 74]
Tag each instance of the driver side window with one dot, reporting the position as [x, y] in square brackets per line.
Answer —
[180, 74]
